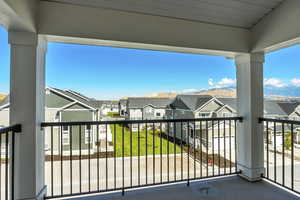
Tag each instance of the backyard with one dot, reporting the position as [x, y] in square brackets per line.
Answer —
[143, 140]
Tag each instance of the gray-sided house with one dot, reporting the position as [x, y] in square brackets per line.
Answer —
[64, 106]
[139, 108]
[105, 107]
[146, 108]
[202, 106]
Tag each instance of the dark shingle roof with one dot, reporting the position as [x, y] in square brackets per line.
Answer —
[288, 107]
[178, 104]
[77, 97]
[193, 102]
[231, 102]
[140, 102]
[273, 108]
[99, 103]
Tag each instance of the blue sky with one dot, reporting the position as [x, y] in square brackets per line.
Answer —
[107, 73]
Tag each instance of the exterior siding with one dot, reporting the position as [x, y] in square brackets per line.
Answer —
[53, 100]
[68, 116]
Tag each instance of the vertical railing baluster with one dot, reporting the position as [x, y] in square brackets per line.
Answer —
[123, 172]
[194, 149]
[139, 161]
[201, 153]
[146, 143]
[235, 146]
[267, 130]
[219, 154]
[213, 146]
[181, 152]
[71, 160]
[130, 155]
[52, 175]
[224, 133]
[168, 169]
[174, 133]
[207, 144]
[80, 178]
[98, 145]
[1, 135]
[6, 165]
[61, 162]
[292, 156]
[230, 161]
[160, 152]
[89, 155]
[115, 155]
[283, 155]
[188, 157]
[275, 154]
[12, 176]
[106, 159]
[153, 150]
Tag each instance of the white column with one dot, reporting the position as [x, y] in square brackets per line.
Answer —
[27, 87]
[250, 155]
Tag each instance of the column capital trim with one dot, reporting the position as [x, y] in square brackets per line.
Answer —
[250, 57]
[22, 38]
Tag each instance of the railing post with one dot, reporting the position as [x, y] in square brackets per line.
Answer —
[250, 156]
[27, 89]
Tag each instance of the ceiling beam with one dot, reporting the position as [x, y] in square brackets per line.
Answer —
[82, 24]
[279, 29]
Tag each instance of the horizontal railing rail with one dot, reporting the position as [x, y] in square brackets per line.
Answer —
[74, 123]
[98, 156]
[14, 128]
[7, 157]
[281, 137]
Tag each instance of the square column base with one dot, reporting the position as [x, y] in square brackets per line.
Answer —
[40, 196]
[250, 174]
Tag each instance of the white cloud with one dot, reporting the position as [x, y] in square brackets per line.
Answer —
[274, 82]
[224, 82]
[295, 82]
[210, 82]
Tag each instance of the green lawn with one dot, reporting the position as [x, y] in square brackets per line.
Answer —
[113, 114]
[135, 139]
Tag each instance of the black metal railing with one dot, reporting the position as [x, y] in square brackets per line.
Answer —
[92, 157]
[7, 142]
[282, 154]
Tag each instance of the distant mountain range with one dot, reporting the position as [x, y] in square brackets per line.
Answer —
[282, 93]
[2, 96]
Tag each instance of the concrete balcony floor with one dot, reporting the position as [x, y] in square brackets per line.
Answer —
[226, 188]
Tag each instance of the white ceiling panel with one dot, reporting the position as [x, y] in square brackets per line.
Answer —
[238, 13]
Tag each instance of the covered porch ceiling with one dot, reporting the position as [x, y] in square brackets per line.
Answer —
[219, 27]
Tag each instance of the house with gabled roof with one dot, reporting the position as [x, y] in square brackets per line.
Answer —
[64, 106]
[141, 108]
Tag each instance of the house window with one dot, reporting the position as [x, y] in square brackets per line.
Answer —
[204, 115]
[158, 114]
[65, 135]
[88, 134]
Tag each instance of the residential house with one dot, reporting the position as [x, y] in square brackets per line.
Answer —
[142, 108]
[146, 108]
[64, 106]
[105, 107]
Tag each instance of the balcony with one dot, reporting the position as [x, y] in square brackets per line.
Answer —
[47, 160]
[160, 159]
